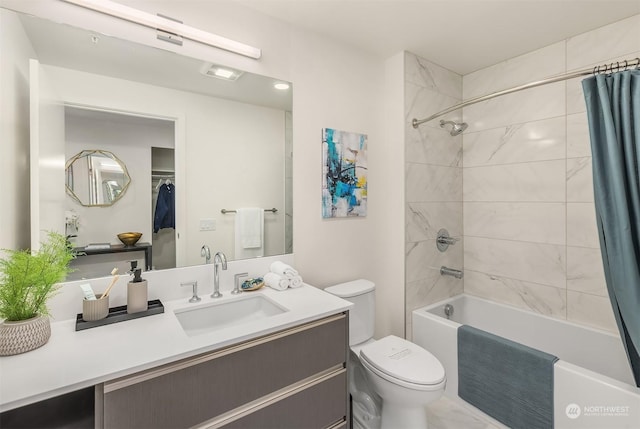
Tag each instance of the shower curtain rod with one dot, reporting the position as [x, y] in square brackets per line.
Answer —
[605, 68]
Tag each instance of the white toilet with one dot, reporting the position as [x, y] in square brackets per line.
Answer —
[403, 375]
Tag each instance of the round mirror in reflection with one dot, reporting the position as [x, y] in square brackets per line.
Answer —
[96, 178]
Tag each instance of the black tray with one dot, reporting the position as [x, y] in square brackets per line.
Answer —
[119, 314]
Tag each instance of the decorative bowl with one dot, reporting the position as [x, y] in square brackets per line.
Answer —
[129, 238]
[252, 284]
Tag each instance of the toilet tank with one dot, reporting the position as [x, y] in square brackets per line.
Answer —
[363, 314]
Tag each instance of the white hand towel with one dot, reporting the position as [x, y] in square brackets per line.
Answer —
[276, 281]
[249, 232]
[296, 281]
[283, 269]
[249, 225]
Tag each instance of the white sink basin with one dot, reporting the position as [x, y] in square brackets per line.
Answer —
[216, 316]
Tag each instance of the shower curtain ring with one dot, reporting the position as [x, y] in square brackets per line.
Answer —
[626, 65]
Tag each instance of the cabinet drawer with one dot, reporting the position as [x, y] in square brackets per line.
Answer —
[195, 390]
[316, 407]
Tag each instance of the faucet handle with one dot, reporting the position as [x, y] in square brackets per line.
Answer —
[205, 253]
[444, 240]
[195, 297]
[236, 281]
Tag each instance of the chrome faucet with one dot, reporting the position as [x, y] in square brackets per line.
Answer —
[446, 271]
[206, 254]
[218, 259]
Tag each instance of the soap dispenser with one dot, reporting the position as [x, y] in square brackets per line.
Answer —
[136, 291]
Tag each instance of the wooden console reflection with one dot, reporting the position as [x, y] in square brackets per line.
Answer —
[121, 248]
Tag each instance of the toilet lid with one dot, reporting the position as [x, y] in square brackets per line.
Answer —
[401, 359]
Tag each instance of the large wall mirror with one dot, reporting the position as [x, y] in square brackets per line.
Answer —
[218, 145]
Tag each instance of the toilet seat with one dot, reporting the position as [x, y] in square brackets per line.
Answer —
[403, 363]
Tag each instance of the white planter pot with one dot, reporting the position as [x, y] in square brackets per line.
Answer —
[24, 335]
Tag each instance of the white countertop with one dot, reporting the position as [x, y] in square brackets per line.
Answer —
[73, 360]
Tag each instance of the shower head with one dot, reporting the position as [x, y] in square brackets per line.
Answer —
[457, 128]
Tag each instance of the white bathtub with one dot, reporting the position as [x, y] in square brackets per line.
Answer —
[593, 384]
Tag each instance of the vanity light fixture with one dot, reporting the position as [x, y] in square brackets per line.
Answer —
[118, 10]
[282, 86]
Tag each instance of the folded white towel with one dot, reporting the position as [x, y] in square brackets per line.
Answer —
[276, 281]
[295, 281]
[283, 269]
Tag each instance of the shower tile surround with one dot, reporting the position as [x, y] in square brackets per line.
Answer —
[524, 210]
[433, 185]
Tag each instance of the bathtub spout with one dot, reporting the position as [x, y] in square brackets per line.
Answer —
[445, 271]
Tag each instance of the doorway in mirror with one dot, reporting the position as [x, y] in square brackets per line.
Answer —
[163, 182]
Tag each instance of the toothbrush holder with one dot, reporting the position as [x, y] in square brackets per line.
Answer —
[95, 309]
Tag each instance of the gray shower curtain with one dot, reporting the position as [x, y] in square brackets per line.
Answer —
[613, 110]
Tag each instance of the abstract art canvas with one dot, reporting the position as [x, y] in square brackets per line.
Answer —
[344, 174]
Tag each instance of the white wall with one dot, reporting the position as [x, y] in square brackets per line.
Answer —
[529, 217]
[387, 208]
[334, 86]
[344, 89]
[15, 52]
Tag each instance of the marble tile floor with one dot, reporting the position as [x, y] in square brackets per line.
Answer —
[447, 413]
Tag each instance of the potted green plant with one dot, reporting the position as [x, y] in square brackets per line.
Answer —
[27, 281]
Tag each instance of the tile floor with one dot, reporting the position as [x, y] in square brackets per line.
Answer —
[447, 413]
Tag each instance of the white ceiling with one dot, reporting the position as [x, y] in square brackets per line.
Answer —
[461, 35]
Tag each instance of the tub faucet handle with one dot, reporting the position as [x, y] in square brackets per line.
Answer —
[443, 241]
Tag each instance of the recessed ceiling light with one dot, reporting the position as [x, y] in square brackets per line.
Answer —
[223, 73]
[211, 70]
[281, 86]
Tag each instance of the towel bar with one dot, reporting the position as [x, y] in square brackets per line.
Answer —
[225, 211]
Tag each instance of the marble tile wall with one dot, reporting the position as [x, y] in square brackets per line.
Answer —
[516, 187]
[433, 185]
[530, 238]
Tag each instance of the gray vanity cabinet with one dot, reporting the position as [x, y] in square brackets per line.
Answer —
[294, 378]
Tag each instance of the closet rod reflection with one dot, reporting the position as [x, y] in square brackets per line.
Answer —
[225, 211]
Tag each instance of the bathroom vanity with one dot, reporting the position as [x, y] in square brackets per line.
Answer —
[286, 370]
